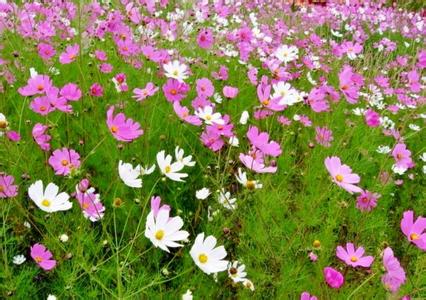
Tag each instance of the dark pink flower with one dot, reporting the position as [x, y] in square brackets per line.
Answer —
[7, 188]
[125, 130]
[64, 160]
[333, 277]
[96, 90]
[372, 118]
[175, 90]
[307, 296]
[42, 257]
[205, 38]
[13, 136]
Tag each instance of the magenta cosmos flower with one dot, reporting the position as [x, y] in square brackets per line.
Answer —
[96, 90]
[38, 84]
[71, 92]
[42, 257]
[205, 38]
[64, 160]
[395, 274]
[46, 51]
[204, 87]
[414, 230]
[366, 201]
[125, 130]
[402, 156]
[7, 188]
[333, 277]
[260, 140]
[230, 92]
[70, 54]
[307, 296]
[354, 257]
[342, 175]
[175, 90]
[141, 94]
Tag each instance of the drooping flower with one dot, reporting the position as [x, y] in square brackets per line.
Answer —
[342, 175]
[415, 231]
[19, 259]
[125, 130]
[208, 257]
[70, 54]
[13, 136]
[41, 137]
[7, 188]
[42, 257]
[395, 274]
[256, 164]
[366, 201]
[333, 277]
[163, 231]
[354, 256]
[64, 160]
[185, 160]
[49, 200]
[169, 169]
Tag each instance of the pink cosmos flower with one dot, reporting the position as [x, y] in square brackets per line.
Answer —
[205, 38]
[307, 296]
[204, 87]
[105, 68]
[141, 94]
[256, 164]
[42, 257]
[414, 230]
[100, 55]
[402, 156]
[366, 201]
[324, 136]
[41, 137]
[313, 257]
[96, 90]
[41, 105]
[64, 160]
[13, 136]
[71, 92]
[156, 205]
[183, 114]
[38, 84]
[261, 141]
[46, 51]
[342, 175]
[175, 90]
[212, 139]
[354, 257]
[222, 74]
[7, 188]
[125, 130]
[395, 274]
[89, 201]
[372, 118]
[70, 54]
[57, 101]
[350, 83]
[333, 277]
[230, 92]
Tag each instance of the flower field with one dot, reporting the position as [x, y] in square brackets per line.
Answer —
[226, 149]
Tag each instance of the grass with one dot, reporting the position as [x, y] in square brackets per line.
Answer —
[271, 232]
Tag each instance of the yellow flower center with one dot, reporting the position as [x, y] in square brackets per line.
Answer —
[250, 184]
[45, 202]
[85, 205]
[173, 92]
[175, 73]
[265, 102]
[2, 188]
[159, 234]
[167, 169]
[64, 162]
[208, 117]
[354, 259]
[339, 178]
[414, 236]
[114, 129]
[40, 87]
[316, 244]
[203, 258]
[38, 259]
[43, 108]
[3, 124]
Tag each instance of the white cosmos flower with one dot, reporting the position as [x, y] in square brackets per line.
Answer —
[423, 157]
[208, 258]
[169, 169]
[225, 199]
[234, 141]
[187, 295]
[206, 113]
[176, 70]
[202, 194]
[19, 259]
[248, 284]
[244, 117]
[383, 149]
[398, 170]
[236, 271]
[186, 161]
[129, 175]
[33, 72]
[250, 184]
[163, 231]
[286, 54]
[284, 91]
[3, 123]
[49, 200]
